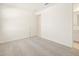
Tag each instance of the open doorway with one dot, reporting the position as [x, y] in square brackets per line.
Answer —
[76, 25]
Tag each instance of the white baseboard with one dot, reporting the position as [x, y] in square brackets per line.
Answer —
[1, 42]
[70, 46]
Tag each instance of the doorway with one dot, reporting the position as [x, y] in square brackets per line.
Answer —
[75, 26]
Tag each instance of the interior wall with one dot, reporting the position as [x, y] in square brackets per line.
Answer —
[56, 24]
[76, 35]
[17, 23]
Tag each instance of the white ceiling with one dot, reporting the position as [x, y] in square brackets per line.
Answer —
[29, 6]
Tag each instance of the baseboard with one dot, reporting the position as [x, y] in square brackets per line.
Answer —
[1, 42]
[60, 43]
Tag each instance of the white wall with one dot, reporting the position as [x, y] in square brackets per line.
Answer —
[56, 24]
[76, 35]
[17, 24]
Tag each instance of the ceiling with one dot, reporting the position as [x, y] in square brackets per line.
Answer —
[35, 7]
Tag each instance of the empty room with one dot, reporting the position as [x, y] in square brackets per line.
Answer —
[38, 29]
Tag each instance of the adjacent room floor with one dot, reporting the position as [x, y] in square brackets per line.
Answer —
[76, 44]
[35, 46]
